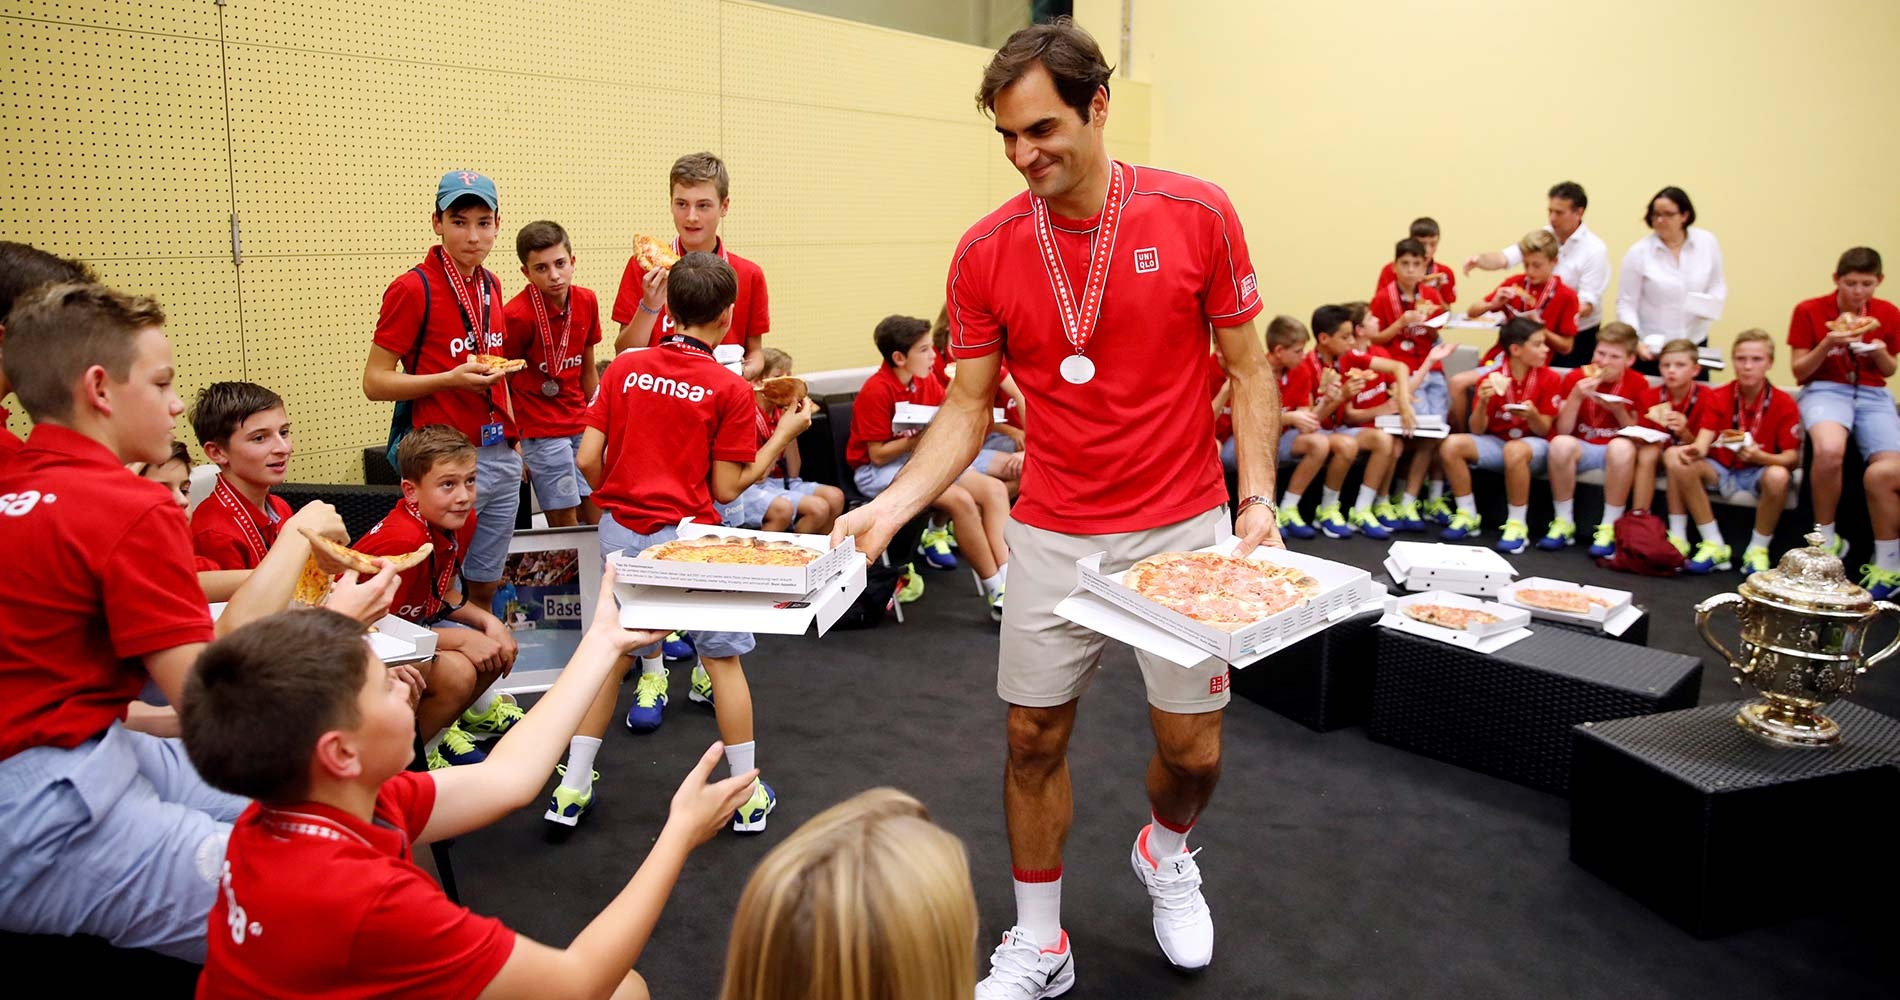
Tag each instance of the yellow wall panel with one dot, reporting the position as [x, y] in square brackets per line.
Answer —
[192, 18]
[802, 60]
[838, 294]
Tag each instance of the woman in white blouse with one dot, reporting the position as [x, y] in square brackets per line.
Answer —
[1671, 283]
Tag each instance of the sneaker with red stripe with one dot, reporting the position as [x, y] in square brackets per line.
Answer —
[1021, 969]
[1183, 926]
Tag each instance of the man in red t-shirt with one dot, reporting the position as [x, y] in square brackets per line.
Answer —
[698, 186]
[1844, 348]
[1099, 285]
[1747, 439]
[435, 319]
[318, 891]
[553, 324]
[1508, 431]
[101, 600]
[22, 269]
[1438, 277]
[1599, 400]
[244, 431]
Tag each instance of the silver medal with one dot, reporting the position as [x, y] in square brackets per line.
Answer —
[1405, 345]
[1078, 369]
[551, 388]
[1516, 433]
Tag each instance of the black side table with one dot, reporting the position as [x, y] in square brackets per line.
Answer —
[1322, 682]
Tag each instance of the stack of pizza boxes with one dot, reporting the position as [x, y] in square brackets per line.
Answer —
[1459, 569]
[721, 597]
[1457, 619]
[1103, 602]
[1609, 611]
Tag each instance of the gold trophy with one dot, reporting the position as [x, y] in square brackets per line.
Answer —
[1802, 627]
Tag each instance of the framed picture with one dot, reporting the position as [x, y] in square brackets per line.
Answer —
[546, 598]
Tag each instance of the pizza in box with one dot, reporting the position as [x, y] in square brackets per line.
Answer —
[731, 550]
[1225, 592]
[1449, 616]
[1567, 601]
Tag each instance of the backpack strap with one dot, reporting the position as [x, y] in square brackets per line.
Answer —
[415, 356]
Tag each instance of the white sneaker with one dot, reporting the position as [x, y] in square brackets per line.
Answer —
[1020, 969]
[1183, 926]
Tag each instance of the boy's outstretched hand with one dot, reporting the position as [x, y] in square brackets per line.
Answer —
[607, 621]
[365, 600]
[702, 809]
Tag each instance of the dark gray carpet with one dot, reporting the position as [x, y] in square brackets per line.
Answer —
[1335, 867]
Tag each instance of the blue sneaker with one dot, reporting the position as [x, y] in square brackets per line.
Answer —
[1880, 583]
[1292, 525]
[1367, 523]
[751, 816]
[678, 646]
[1331, 522]
[1438, 510]
[1515, 538]
[1709, 557]
[457, 747]
[1603, 541]
[649, 702]
[1410, 518]
[568, 805]
[934, 546]
[1462, 526]
[1561, 532]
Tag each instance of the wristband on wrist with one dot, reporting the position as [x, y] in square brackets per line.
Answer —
[1256, 500]
[649, 312]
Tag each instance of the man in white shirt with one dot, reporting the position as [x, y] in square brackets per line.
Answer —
[1582, 261]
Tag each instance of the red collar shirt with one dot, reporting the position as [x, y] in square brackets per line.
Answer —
[1808, 326]
[1540, 387]
[1414, 343]
[314, 902]
[1774, 420]
[1297, 387]
[1133, 448]
[455, 334]
[1554, 304]
[1447, 286]
[751, 313]
[420, 590]
[228, 533]
[538, 415]
[876, 405]
[1595, 423]
[102, 576]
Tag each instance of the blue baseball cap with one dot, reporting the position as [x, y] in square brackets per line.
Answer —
[457, 183]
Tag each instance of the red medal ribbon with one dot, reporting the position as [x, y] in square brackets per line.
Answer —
[241, 512]
[1079, 318]
[551, 354]
[477, 338]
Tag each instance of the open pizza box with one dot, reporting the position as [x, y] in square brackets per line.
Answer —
[1614, 616]
[671, 608]
[1481, 637]
[634, 568]
[1424, 426]
[1462, 569]
[392, 639]
[1103, 604]
[1647, 434]
[910, 416]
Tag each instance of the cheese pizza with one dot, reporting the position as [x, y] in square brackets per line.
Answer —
[329, 558]
[1450, 616]
[1569, 602]
[1499, 383]
[731, 551]
[1225, 592]
[783, 390]
[653, 253]
[498, 365]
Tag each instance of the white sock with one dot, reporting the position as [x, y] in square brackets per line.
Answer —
[1467, 504]
[1887, 554]
[1438, 488]
[1328, 496]
[1827, 533]
[652, 664]
[1516, 511]
[1290, 501]
[1163, 842]
[1565, 509]
[1411, 498]
[580, 763]
[993, 585]
[1366, 497]
[1002, 574]
[1039, 909]
[739, 756]
[429, 748]
[483, 703]
[1612, 511]
[1679, 525]
[1757, 540]
[1709, 532]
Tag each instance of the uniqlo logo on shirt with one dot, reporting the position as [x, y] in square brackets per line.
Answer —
[1216, 685]
[1147, 259]
[1247, 286]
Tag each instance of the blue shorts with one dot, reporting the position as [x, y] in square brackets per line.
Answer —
[999, 441]
[557, 480]
[497, 497]
[749, 510]
[1592, 457]
[1741, 479]
[1434, 395]
[1867, 411]
[613, 538]
[1491, 452]
[872, 479]
[117, 837]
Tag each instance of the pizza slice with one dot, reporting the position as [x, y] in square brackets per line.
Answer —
[336, 558]
[1569, 602]
[498, 365]
[1731, 438]
[1449, 616]
[1499, 382]
[1592, 371]
[1659, 414]
[653, 252]
[783, 390]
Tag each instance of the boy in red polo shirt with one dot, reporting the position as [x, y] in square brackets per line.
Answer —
[1681, 403]
[977, 504]
[1844, 346]
[1508, 430]
[1599, 400]
[318, 892]
[437, 507]
[435, 319]
[1762, 463]
[1304, 412]
[244, 431]
[22, 269]
[554, 324]
[698, 186]
[782, 501]
[103, 830]
[1537, 293]
[672, 432]
[1336, 359]
[1402, 304]
[1437, 277]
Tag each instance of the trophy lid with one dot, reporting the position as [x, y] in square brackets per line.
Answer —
[1812, 578]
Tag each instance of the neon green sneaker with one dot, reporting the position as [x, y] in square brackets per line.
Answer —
[700, 693]
[1367, 523]
[1562, 532]
[1411, 518]
[500, 717]
[569, 805]
[1681, 544]
[1463, 525]
[1838, 547]
[1709, 557]
[1880, 583]
[913, 585]
[751, 816]
[996, 605]
[1755, 560]
[649, 702]
[1388, 514]
[1438, 509]
[1331, 522]
[456, 748]
[1515, 537]
[934, 546]
[1603, 541]
[1292, 525]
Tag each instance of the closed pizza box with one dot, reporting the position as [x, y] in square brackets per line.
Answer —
[1647, 434]
[1343, 589]
[1487, 637]
[910, 416]
[1425, 426]
[392, 639]
[1437, 562]
[632, 567]
[1614, 616]
[671, 608]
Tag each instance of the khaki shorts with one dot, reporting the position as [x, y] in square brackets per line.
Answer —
[1045, 661]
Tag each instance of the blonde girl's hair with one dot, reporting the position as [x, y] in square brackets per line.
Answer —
[869, 900]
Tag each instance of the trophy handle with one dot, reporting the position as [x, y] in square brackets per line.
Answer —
[1885, 608]
[1710, 606]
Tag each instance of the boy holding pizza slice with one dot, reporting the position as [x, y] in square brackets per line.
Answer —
[782, 501]
[473, 648]
[1508, 429]
[671, 433]
[1401, 306]
[438, 320]
[553, 326]
[1438, 277]
[1679, 410]
[1361, 376]
[243, 430]
[1599, 400]
[1538, 293]
[1392, 390]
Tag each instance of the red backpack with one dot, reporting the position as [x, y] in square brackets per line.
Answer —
[1642, 546]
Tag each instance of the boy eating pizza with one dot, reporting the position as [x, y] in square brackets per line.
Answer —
[782, 501]
[553, 325]
[1507, 431]
[243, 430]
[1599, 400]
[1336, 359]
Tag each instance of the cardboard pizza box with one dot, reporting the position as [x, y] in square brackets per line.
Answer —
[392, 639]
[910, 416]
[1425, 426]
[1614, 618]
[1344, 590]
[1441, 565]
[633, 568]
[1647, 434]
[671, 608]
[1487, 638]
